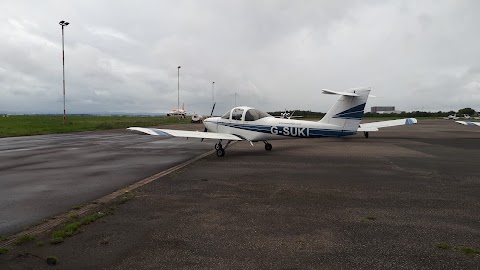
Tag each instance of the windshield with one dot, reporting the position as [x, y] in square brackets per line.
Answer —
[226, 115]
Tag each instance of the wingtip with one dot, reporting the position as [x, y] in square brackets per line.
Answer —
[411, 121]
[140, 130]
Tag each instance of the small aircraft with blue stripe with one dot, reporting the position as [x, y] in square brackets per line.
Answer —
[252, 125]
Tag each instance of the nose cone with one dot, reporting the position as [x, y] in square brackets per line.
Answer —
[211, 124]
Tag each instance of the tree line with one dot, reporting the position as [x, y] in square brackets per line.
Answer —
[461, 112]
[310, 114]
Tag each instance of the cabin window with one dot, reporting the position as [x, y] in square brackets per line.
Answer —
[254, 114]
[237, 114]
[249, 116]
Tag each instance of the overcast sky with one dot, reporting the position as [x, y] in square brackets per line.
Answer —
[122, 56]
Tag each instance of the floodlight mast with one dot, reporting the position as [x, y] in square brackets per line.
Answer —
[178, 90]
[213, 91]
[63, 24]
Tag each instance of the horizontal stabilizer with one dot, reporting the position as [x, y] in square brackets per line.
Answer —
[331, 92]
[390, 123]
[469, 123]
[185, 133]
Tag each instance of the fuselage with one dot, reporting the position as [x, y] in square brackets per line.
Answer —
[270, 128]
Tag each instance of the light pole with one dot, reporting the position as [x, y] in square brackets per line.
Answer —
[63, 24]
[235, 99]
[178, 89]
[213, 91]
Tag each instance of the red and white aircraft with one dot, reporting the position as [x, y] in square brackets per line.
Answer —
[180, 112]
[252, 125]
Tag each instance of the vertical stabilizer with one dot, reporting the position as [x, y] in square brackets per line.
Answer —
[348, 111]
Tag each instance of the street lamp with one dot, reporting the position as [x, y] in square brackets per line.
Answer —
[178, 89]
[63, 24]
[213, 91]
[235, 99]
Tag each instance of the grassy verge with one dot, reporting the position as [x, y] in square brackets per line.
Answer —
[26, 125]
[74, 223]
[74, 227]
[24, 239]
[469, 251]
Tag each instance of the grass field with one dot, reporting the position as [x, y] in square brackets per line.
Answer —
[26, 125]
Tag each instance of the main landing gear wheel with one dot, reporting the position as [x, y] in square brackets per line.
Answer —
[220, 152]
[268, 147]
[218, 146]
[366, 134]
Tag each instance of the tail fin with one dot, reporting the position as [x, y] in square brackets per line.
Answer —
[347, 112]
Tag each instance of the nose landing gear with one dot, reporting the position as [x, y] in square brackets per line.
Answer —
[268, 146]
[220, 150]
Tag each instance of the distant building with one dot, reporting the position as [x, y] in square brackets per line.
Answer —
[384, 109]
[377, 109]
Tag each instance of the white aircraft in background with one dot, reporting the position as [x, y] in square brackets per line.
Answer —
[468, 123]
[451, 116]
[196, 118]
[288, 115]
[252, 125]
[180, 112]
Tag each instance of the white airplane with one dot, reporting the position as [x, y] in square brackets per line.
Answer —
[468, 123]
[288, 115]
[196, 118]
[451, 116]
[252, 125]
[180, 112]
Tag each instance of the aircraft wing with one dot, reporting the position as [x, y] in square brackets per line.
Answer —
[185, 133]
[374, 126]
[469, 123]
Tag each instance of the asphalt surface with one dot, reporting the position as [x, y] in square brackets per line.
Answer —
[407, 197]
[41, 176]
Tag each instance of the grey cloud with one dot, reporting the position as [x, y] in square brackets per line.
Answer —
[123, 56]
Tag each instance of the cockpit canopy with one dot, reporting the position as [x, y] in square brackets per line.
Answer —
[245, 114]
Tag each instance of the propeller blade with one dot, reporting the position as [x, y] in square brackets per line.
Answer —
[211, 113]
[213, 109]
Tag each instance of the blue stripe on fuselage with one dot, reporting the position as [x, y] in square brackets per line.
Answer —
[301, 132]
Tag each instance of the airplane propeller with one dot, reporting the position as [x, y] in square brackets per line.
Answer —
[211, 114]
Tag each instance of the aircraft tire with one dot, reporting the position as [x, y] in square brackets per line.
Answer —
[218, 146]
[220, 152]
[366, 134]
[268, 147]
